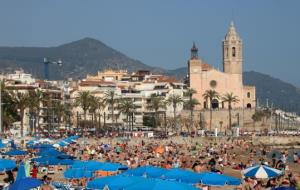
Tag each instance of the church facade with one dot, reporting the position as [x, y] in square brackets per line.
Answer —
[203, 77]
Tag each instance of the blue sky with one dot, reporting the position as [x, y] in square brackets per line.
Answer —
[161, 32]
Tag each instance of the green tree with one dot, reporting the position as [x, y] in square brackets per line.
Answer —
[191, 103]
[36, 98]
[174, 100]
[127, 107]
[97, 106]
[210, 95]
[60, 111]
[155, 103]
[111, 99]
[230, 98]
[9, 111]
[21, 101]
[84, 100]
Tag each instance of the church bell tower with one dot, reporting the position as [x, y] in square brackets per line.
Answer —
[232, 52]
[194, 69]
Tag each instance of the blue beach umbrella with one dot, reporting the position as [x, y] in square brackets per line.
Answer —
[158, 184]
[54, 153]
[182, 175]
[261, 172]
[52, 161]
[72, 173]
[7, 164]
[215, 179]
[40, 146]
[108, 166]
[21, 172]
[15, 152]
[2, 145]
[147, 171]
[12, 144]
[74, 137]
[114, 182]
[63, 143]
[95, 165]
[91, 165]
[25, 184]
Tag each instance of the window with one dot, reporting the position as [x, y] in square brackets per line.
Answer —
[248, 95]
[213, 83]
[233, 52]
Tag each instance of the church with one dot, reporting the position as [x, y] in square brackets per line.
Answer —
[203, 77]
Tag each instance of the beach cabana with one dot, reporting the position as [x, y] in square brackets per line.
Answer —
[261, 172]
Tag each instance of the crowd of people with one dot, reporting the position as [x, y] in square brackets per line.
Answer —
[229, 156]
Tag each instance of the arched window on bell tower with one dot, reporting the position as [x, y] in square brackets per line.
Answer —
[233, 52]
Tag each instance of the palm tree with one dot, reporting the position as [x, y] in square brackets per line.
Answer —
[84, 101]
[93, 107]
[97, 105]
[174, 100]
[9, 111]
[60, 111]
[190, 104]
[127, 107]
[210, 95]
[230, 98]
[67, 114]
[36, 97]
[110, 98]
[21, 101]
[155, 103]
[100, 107]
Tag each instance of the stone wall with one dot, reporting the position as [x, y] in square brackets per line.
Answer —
[276, 140]
[220, 118]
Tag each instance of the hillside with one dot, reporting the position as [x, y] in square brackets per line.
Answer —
[87, 56]
[79, 58]
[280, 93]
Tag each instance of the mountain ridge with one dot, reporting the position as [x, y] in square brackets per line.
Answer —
[88, 55]
[87, 52]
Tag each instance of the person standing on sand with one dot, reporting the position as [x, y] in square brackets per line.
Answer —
[46, 185]
[295, 157]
